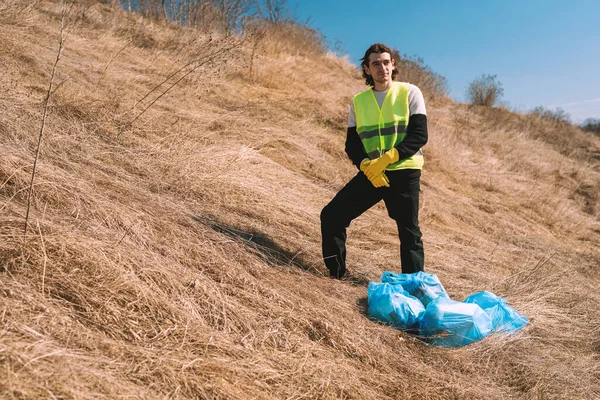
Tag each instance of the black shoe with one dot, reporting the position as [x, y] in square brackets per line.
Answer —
[338, 274]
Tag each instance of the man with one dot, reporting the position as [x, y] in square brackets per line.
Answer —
[387, 127]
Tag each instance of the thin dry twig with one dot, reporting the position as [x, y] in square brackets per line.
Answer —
[201, 62]
[45, 112]
[111, 60]
[45, 253]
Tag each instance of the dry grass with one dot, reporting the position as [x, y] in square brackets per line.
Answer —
[179, 256]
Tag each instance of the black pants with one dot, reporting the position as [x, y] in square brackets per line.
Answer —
[402, 203]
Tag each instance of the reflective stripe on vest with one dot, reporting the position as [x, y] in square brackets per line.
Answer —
[380, 129]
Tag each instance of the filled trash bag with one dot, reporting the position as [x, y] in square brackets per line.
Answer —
[450, 323]
[425, 287]
[392, 304]
[419, 303]
[504, 317]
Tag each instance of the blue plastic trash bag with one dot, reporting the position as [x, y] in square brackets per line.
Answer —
[392, 304]
[450, 323]
[504, 317]
[419, 303]
[425, 287]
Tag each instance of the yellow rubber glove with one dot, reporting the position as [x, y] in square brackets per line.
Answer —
[364, 164]
[381, 180]
[378, 165]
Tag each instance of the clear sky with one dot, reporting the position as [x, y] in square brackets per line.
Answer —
[544, 52]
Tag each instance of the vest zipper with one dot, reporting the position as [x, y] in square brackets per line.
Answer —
[381, 144]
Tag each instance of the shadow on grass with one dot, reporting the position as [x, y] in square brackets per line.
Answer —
[363, 306]
[356, 279]
[261, 244]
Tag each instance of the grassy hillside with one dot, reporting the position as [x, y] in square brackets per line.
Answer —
[173, 245]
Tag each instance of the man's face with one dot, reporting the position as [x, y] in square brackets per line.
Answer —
[380, 67]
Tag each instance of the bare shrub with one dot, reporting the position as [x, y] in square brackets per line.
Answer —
[273, 10]
[198, 14]
[485, 91]
[286, 37]
[260, 20]
[414, 70]
[557, 116]
[591, 125]
[225, 16]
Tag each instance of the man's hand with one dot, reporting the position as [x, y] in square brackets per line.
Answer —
[380, 180]
[364, 164]
[375, 167]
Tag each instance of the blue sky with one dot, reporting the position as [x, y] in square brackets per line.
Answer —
[545, 53]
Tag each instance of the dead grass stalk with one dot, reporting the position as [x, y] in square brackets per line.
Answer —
[45, 111]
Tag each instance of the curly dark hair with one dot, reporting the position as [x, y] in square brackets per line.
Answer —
[375, 48]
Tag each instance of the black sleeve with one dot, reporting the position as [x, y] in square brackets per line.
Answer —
[354, 147]
[416, 136]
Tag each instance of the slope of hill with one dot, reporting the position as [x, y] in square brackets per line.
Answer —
[173, 245]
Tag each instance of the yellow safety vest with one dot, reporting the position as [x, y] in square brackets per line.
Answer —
[380, 129]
